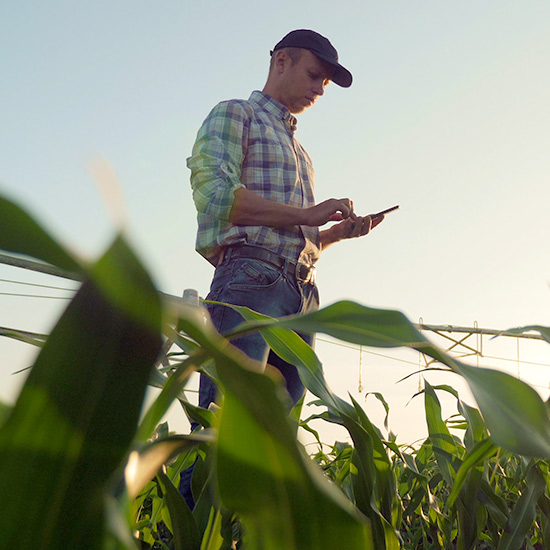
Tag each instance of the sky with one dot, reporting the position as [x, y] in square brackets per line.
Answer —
[448, 116]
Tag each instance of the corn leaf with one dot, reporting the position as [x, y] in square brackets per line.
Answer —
[542, 330]
[522, 517]
[144, 464]
[21, 234]
[374, 483]
[279, 493]
[77, 413]
[171, 391]
[516, 416]
[443, 444]
[480, 452]
[184, 528]
[262, 473]
[24, 336]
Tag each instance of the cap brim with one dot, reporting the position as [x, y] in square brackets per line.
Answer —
[341, 75]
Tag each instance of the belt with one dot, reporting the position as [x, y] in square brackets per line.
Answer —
[302, 272]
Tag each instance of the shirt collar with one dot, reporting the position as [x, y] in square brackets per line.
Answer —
[267, 103]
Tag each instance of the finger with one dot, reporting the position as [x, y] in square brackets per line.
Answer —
[346, 207]
[365, 226]
[358, 227]
[336, 217]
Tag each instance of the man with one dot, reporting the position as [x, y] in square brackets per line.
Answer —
[252, 181]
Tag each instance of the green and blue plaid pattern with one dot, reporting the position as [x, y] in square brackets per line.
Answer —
[251, 144]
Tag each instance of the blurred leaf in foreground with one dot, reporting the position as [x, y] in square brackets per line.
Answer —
[21, 234]
[77, 413]
[262, 472]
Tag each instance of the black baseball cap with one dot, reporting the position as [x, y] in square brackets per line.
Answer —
[321, 47]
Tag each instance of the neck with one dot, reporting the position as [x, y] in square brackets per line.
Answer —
[272, 90]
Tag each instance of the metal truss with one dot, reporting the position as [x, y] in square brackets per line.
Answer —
[468, 341]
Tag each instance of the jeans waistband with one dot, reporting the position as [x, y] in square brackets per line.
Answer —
[302, 272]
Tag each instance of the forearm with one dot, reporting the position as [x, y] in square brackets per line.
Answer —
[250, 208]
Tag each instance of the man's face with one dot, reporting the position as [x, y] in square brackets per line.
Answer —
[302, 83]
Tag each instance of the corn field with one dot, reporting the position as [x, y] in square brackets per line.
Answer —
[83, 467]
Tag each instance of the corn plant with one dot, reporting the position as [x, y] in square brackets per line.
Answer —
[81, 470]
[457, 492]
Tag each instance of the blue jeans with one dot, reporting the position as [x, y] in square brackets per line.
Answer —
[266, 289]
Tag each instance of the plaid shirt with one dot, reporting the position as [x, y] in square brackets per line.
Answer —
[251, 144]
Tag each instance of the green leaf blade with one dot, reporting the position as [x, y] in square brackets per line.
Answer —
[76, 417]
[514, 412]
[21, 234]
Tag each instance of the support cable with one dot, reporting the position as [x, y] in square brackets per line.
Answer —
[35, 296]
[35, 285]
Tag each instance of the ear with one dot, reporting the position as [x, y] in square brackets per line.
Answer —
[281, 60]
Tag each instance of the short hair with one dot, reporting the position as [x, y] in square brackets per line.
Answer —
[293, 53]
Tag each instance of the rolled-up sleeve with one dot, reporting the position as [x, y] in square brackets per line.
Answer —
[217, 159]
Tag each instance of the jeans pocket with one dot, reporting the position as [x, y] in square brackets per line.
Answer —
[249, 273]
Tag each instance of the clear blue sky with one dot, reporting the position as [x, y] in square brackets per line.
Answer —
[448, 116]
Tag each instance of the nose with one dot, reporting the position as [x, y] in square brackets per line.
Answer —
[319, 89]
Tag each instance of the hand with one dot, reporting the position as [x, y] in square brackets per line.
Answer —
[357, 226]
[354, 226]
[361, 225]
[331, 210]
